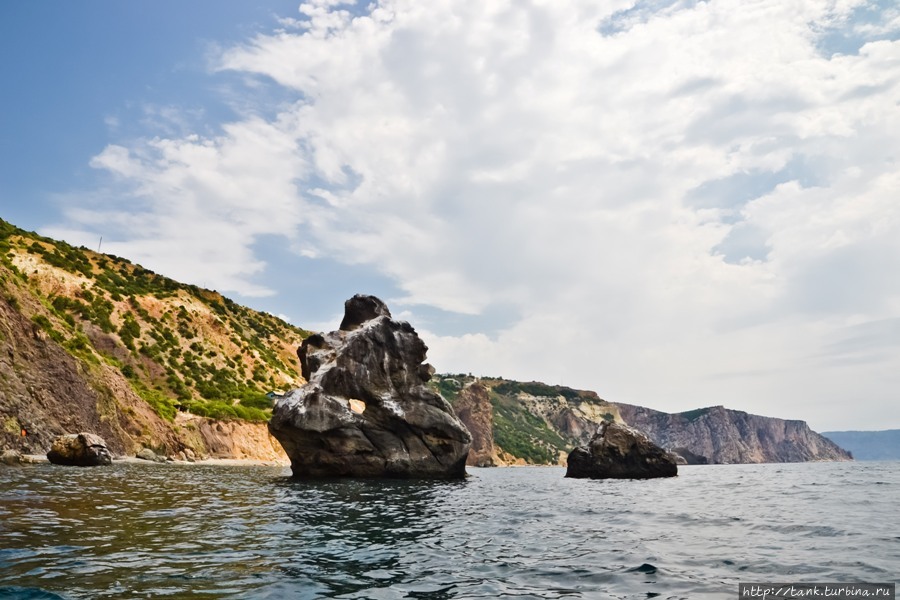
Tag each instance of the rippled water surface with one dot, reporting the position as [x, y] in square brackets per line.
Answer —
[199, 531]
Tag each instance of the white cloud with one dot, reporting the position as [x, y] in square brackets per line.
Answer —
[542, 157]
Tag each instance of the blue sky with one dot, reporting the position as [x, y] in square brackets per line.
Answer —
[676, 204]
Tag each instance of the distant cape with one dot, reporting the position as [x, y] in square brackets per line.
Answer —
[868, 445]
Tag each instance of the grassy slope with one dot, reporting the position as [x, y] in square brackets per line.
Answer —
[180, 347]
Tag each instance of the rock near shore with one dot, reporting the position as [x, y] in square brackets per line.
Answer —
[366, 410]
[620, 452]
[80, 450]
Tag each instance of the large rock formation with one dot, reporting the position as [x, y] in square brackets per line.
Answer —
[79, 450]
[719, 435]
[620, 452]
[473, 407]
[366, 411]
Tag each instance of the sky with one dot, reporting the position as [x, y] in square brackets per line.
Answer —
[675, 204]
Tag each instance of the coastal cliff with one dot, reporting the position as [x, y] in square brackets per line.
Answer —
[718, 435]
[536, 423]
[473, 407]
[92, 342]
[519, 423]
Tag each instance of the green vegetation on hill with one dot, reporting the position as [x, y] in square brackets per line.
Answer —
[519, 430]
[693, 415]
[523, 434]
[535, 388]
[180, 347]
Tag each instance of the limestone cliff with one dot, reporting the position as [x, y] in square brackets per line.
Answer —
[529, 422]
[722, 436]
[473, 407]
[536, 423]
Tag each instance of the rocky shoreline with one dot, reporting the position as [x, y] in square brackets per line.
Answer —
[36, 459]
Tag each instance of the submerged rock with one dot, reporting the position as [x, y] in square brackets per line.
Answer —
[80, 450]
[620, 452]
[366, 410]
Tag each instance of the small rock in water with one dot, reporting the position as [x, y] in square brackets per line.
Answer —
[366, 410]
[148, 454]
[620, 452]
[11, 457]
[80, 450]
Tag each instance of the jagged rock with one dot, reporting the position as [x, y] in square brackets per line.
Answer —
[366, 411]
[620, 452]
[79, 449]
[473, 407]
[148, 454]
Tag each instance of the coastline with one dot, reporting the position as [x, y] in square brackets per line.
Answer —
[225, 462]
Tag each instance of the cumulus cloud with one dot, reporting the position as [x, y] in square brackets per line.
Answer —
[678, 203]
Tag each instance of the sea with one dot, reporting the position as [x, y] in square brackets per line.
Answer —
[211, 531]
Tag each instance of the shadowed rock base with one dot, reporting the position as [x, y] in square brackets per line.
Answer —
[619, 452]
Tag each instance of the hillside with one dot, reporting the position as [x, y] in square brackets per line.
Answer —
[535, 423]
[868, 445]
[530, 422]
[93, 342]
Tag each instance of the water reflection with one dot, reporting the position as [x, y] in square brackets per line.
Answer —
[197, 532]
[356, 536]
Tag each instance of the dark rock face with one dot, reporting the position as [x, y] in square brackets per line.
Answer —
[725, 436]
[366, 411]
[688, 457]
[473, 407]
[620, 452]
[80, 450]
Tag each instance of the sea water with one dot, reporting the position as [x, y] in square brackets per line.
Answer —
[203, 531]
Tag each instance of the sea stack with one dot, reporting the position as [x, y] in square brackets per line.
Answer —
[620, 452]
[366, 410]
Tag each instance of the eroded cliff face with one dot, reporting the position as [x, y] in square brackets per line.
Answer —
[46, 392]
[75, 356]
[536, 423]
[473, 407]
[718, 435]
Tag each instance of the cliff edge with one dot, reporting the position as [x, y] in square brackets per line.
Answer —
[718, 435]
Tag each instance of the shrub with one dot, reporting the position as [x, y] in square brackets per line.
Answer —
[158, 401]
[45, 324]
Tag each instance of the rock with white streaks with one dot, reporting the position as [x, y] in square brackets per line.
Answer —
[366, 410]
